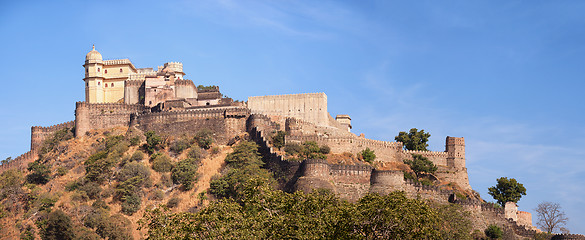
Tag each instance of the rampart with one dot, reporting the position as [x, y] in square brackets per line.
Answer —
[568, 237]
[224, 122]
[90, 116]
[19, 163]
[311, 107]
[40, 134]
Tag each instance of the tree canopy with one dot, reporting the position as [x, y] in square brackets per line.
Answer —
[414, 139]
[507, 190]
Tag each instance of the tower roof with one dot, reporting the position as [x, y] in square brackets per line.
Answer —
[93, 55]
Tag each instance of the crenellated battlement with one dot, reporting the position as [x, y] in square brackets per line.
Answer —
[360, 141]
[137, 83]
[53, 128]
[117, 61]
[19, 163]
[427, 153]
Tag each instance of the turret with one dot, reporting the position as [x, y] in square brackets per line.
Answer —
[455, 148]
[93, 77]
[345, 121]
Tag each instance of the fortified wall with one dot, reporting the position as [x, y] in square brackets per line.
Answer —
[90, 116]
[311, 107]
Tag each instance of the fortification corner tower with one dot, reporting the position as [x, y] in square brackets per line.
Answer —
[455, 148]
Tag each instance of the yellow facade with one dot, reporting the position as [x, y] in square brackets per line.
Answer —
[104, 80]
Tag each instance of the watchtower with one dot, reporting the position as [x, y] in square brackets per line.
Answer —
[455, 148]
[94, 77]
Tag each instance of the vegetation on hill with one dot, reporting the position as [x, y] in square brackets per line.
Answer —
[507, 190]
[103, 185]
[414, 139]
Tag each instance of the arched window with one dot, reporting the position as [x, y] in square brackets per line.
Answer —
[112, 84]
[106, 85]
[121, 70]
[98, 83]
[98, 69]
[106, 71]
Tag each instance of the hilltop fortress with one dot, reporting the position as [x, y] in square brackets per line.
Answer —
[119, 94]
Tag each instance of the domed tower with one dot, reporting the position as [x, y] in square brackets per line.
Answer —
[94, 65]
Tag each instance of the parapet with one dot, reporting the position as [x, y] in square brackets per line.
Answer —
[53, 128]
[568, 237]
[455, 141]
[174, 66]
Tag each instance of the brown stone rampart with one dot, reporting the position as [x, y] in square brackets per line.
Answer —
[90, 116]
[568, 237]
[438, 158]
[40, 134]
[19, 163]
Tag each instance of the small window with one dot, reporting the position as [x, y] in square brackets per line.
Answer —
[207, 104]
[112, 84]
[106, 85]
[98, 69]
[149, 102]
[86, 70]
[121, 70]
[98, 83]
[106, 71]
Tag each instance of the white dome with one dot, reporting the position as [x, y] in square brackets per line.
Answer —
[93, 55]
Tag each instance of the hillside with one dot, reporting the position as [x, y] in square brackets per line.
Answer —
[27, 201]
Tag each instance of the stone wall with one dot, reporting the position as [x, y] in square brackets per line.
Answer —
[40, 134]
[89, 116]
[19, 163]
[225, 123]
[311, 107]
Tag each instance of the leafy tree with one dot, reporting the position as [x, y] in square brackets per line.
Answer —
[204, 138]
[131, 204]
[420, 164]
[98, 167]
[507, 190]
[161, 162]
[278, 139]
[414, 139]
[58, 227]
[179, 145]
[368, 155]
[185, 173]
[153, 141]
[551, 218]
[494, 232]
[39, 172]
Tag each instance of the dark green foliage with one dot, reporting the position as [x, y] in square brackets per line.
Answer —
[131, 204]
[39, 172]
[325, 149]
[153, 141]
[91, 189]
[243, 167]
[179, 145]
[98, 167]
[494, 232]
[368, 155]
[173, 202]
[134, 170]
[507, 190]
[111, 227]
[312, 151]
[293, 149]
[58, 227]
[204, 138]
[414, 139]
[263, 213]
[134, 141]
[131, 179]
[278, 139]
[185, 173]
[61, 171]
[420, 164]
[161, 162]
[137, 156]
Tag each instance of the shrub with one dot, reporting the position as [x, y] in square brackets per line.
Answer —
[292, 149]
[173, 202]
[325, 149]
[161, 162]
[368, 155]
[39, 173]
[134, 141]
[131, 204]
[185, 173]
[98, 167]
[195, 153]
[137, 156]
[278, 139]
[58, 226]
[91, 189]
[494, 232]
[153, 141]
[61, 171]
[100, 204]
[214, 150]
[157, 195]
[131, 178]
[179, 145]
[420, 164]
[204, 138]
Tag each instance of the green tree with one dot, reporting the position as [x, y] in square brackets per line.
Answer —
[414, 139]
[420, 164]
[278, 139]
[39, 172]
[185, 173]
[204, 138]
[153, 141]
[494, 232]
[368, 155]
[507, 190]
[58, 227]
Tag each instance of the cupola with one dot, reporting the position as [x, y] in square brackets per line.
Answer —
[93, 56]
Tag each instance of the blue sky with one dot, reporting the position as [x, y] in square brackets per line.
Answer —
[506, 75]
